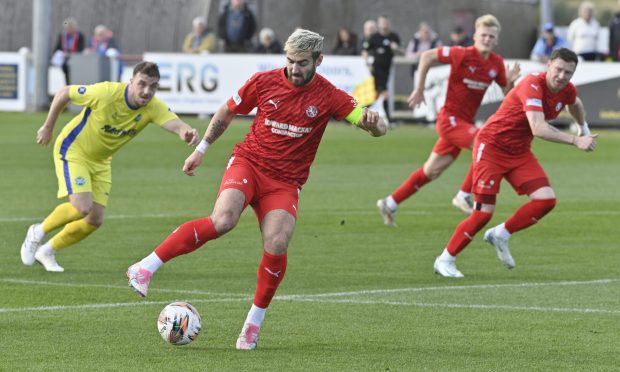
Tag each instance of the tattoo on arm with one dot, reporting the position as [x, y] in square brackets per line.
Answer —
[216, 129]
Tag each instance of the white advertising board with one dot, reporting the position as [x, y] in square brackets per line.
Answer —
[193, 84]
[12, 82]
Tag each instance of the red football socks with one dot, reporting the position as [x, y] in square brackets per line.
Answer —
[416, 180]
[529, 213]
[466, 230]
[270, 273]
[186, 238]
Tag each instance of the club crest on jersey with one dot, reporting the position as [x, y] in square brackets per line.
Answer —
[493, 73]
[80, 181]
[558, 106]
[311, 111]
[81, 90]
[138, 118]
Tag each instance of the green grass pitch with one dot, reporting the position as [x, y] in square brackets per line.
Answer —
[357, 295]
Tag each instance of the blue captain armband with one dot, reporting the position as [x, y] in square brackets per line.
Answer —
[355, 115]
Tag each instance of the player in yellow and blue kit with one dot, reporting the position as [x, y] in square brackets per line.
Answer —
[112, 115]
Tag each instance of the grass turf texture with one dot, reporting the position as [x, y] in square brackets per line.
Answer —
[357, 295]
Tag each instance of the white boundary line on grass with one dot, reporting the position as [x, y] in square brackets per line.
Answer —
[332, 211]
[321, 297]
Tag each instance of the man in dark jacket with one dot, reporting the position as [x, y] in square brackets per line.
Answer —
[236, 26]
[614, 36]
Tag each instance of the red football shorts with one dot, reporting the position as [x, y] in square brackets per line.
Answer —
[455, 134]
[263, 193]
[523, 172]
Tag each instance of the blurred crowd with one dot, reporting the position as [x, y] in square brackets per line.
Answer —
[237, 32]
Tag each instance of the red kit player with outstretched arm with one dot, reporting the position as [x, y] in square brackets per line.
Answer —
[473, 70]
[266, 170]
[503, 151]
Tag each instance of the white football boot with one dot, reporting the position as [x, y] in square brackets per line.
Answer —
[464, 204]
[139, 279]
[447, 268]
[47, 257]
[386, 212]
[30, 245]
[501, 246]
[248, 338]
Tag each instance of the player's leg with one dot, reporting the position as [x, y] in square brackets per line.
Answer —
[434, 166]
[276, 212]
[236, 190]
[464, 233]
[460, 134]
[487, 177]
[82, 182]
[529, 179]
[188, 237]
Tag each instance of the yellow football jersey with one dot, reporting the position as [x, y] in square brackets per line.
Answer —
[107, 121]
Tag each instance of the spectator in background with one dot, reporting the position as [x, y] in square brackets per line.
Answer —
[103, 44]
[583, 33]
[424, 39]
[382, 46]
[70, 40]
[614, 36]
[547, 43]
[370, 28]
[346, 44]
[236, 27]
[458, 37]
[201, 39]
[267, 42]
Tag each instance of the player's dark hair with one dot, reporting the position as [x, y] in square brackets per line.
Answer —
[565, 54]
[149, 69]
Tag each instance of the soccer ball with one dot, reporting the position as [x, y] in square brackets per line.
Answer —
[179, 323]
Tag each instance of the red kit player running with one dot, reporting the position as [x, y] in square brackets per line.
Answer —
[502, 151]
[473, 70]
[266, 170]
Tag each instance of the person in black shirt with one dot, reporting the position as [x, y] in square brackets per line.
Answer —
[378, 54]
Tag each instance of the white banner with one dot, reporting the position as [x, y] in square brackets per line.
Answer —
[193, 84]
[12, 82]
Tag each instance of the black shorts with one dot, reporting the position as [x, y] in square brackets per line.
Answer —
[381, 77]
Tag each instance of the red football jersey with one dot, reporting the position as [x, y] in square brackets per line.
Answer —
[508, 129]
[470, 76]
[289, 123]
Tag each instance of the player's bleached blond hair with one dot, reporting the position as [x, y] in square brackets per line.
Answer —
[304, 41]
[488, 20]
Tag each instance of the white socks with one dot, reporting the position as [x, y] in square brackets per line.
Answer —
[152, 262]
[391, 203]
[446, 256]
[501, 232]
[256, 315]
[462, 194]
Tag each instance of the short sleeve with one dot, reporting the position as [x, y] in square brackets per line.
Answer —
[342, 104]
[446, 54]
[89, 95]
[160, 112]
[245, 99]
[530, 95]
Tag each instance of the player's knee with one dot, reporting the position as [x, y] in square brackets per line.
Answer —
[276, 244]
[84, 209]
[547, 204]
[224, 222]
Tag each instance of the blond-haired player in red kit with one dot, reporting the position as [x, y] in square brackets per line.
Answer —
[503, 151]
[473, 70]
[267, 170]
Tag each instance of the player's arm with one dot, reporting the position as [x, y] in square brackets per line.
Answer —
[578, 112]
[183, 130]
[218, 125]
[427, 59]
[368, 120]
[46, 132]
[542, 129]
